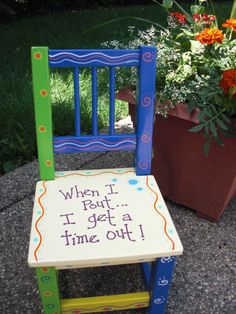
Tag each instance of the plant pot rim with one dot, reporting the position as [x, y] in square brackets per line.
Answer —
[180, 110]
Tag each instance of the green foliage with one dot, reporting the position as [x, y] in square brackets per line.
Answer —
[189, 71]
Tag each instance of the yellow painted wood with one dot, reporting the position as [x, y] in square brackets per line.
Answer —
[105, 303]
[95, 233]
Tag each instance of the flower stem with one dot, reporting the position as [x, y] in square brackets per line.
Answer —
[182, 9]
[122, 18]
[214, 11]
[233, 10]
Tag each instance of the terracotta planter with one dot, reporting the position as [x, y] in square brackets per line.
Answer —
[184, 174]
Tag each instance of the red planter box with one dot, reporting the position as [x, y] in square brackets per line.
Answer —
[184, 174]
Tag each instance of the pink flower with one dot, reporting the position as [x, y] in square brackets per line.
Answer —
[204, 17]
[180, 17]
[196, 17]
[212, 17]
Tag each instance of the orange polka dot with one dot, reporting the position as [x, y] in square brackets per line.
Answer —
[48, 163]
[42, 128]
[43, 92]
[38, 55]
[44, 269]
[47, 293]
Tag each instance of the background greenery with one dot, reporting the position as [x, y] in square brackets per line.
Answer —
[56, 30]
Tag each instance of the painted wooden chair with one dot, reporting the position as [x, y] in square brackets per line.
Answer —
[99, 217]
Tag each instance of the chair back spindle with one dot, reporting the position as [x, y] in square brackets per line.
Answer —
[94, 102]
[77, 101]
[112, 101]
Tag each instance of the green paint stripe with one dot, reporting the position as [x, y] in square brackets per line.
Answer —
[49, 290]
[43, 114]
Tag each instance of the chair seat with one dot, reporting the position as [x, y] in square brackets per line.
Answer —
[100, 217]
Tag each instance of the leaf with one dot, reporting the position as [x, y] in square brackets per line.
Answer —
[179, 35]
[213, 129]
[167, 4]
[213, 107]
[204, 112]
[225, 118]
[206, 147]
[197, 128]
[221, 124]
[197, 9]
[219, 141]
[188, 33]
[196, 46]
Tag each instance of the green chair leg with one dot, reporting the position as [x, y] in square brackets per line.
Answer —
[49, 291]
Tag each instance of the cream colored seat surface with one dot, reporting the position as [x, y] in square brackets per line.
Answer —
[100, 217]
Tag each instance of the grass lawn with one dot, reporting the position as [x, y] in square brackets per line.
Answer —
[58, 30]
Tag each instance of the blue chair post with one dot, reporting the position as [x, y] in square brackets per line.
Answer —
[147, 75]
[161, 276]
[146, 272]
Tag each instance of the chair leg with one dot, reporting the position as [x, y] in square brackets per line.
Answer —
[49, 290]
[146, 272]
[161, 275]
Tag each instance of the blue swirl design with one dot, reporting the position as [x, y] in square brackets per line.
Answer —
[76, 145]
[74, 58]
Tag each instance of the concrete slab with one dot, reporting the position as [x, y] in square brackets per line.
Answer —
[20, 183]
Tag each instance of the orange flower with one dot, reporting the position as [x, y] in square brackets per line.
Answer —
[210, 35]
[228, 82]
[230, 23]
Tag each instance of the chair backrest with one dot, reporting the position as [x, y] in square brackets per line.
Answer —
[144, 58]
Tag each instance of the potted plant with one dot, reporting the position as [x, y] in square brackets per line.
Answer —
[194, 148]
